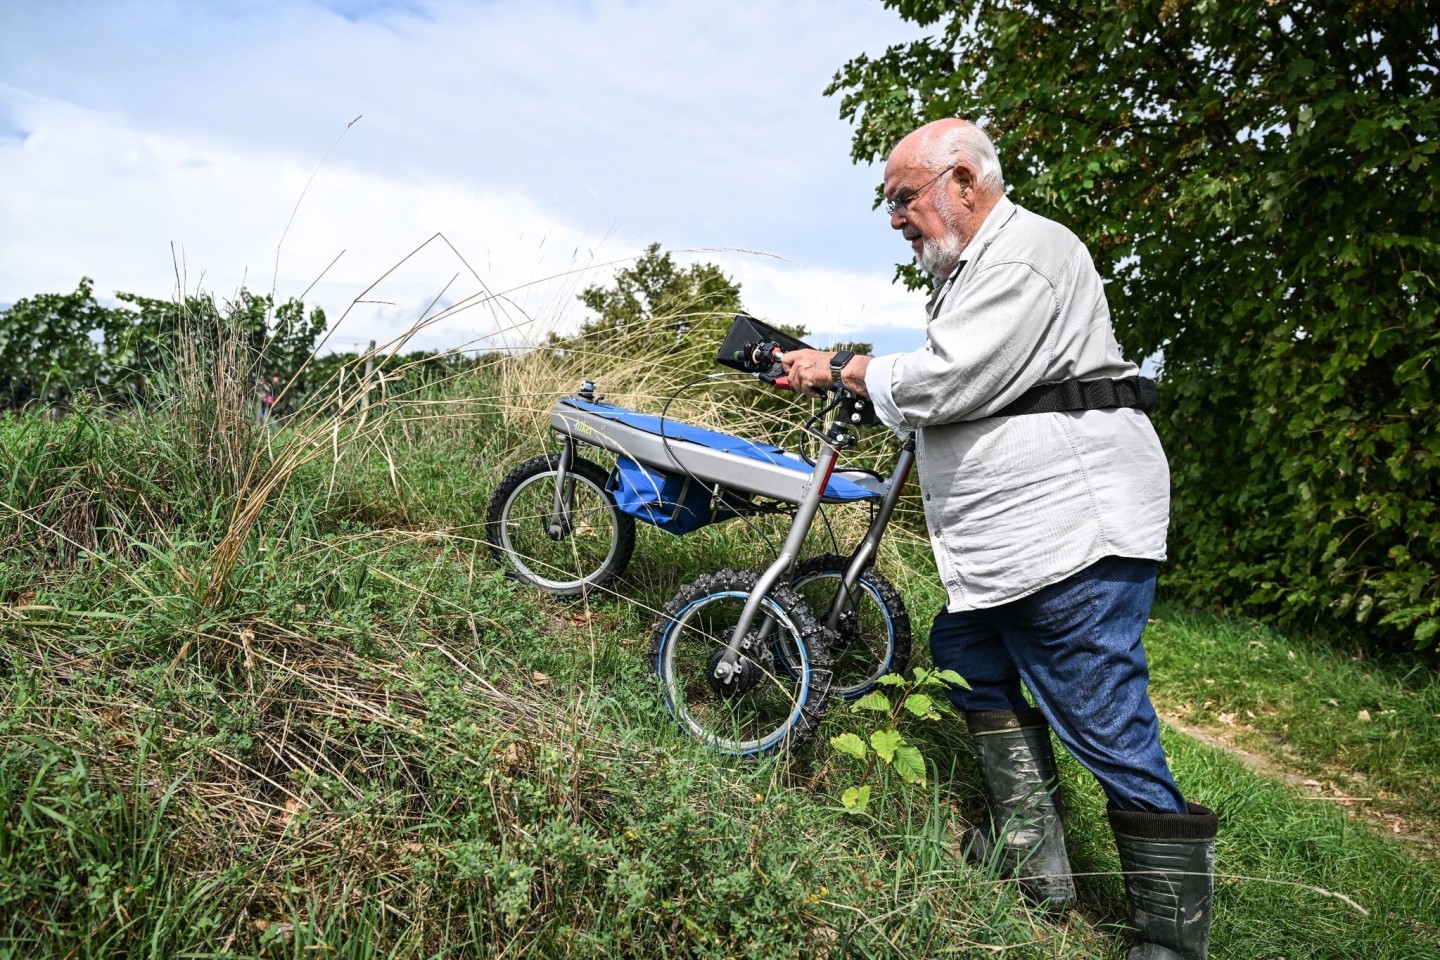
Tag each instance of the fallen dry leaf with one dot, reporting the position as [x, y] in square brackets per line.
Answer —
[511, 756]
[292, 807]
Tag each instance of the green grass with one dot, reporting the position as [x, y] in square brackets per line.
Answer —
[330, 726]
[457, 785]
[1355, 724]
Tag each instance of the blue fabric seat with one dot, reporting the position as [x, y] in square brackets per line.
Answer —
[838, 489]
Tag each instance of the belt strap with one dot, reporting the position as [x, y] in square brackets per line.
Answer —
[1070, 395]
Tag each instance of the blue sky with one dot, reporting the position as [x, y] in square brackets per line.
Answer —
[156, 144]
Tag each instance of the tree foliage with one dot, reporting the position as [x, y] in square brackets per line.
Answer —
[52, 346]
[1258, 182]
[653, 299]
[45, 345]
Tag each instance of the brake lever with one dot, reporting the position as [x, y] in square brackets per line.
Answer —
[776, 377]
[775, 373]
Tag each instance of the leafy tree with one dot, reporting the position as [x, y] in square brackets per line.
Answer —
[46, 352]
[1258, 183]
[655, 301]
[53, 345]
[281, 339]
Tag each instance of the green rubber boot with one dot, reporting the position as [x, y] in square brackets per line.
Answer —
[1026, 836]
[1169, 864]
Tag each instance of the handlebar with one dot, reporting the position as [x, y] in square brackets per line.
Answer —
[762, 358]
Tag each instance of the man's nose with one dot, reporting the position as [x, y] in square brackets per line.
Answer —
[898, 219]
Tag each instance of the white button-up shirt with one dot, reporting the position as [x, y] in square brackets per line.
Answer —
[1015, 504]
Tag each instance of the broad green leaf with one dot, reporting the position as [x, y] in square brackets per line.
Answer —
[849, 744]
[910, 764]
[874, 700]
[856, 799]
[952, 678]
[921, 706]
[885, 743]
[927, 678]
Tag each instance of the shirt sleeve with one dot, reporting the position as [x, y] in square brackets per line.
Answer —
[877, 387]
[980, 353]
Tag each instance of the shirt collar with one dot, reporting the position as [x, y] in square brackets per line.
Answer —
[1003, 210]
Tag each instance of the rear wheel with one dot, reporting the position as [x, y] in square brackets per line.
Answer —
[872, 632]
[747, 704]
[583, 548]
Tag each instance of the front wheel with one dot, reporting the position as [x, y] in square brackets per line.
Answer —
[746, 704]
[872, 628]
[570, 552]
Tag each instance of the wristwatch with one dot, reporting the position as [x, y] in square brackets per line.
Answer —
[837, 363]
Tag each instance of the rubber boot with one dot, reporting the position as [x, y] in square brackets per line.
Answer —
[1027, 823]
[1169, 864]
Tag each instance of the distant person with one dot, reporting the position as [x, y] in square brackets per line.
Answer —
[1047, 497]
[269, 395]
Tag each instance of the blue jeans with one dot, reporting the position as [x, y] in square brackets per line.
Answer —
[1076, 646]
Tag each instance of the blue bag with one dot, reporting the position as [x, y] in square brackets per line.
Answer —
[677, 504]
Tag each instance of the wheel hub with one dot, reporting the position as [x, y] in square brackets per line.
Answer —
[730, 680]
[847, 630]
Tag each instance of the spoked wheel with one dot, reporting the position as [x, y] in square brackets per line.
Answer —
[872, 635]
[746, 704]
[581, 548]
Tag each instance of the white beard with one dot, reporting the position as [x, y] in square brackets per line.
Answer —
[940, 257]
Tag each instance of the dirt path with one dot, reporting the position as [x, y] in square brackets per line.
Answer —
[1342, 787]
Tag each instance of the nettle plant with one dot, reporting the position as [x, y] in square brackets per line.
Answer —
[916, 700]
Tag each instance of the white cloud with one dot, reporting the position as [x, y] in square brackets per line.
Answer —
[535, 136]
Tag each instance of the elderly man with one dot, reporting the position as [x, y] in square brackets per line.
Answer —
[1046, 494]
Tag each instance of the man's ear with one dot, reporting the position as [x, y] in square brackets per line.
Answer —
[964, 177]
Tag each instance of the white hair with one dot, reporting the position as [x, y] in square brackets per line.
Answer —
[969, 143]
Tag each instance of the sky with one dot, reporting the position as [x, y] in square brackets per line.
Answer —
[384, 159]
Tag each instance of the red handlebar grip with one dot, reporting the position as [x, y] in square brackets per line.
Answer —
[783, 383]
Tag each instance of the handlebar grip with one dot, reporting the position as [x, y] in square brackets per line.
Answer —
[783, 383]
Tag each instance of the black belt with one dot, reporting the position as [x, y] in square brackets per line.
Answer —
[1069, 395]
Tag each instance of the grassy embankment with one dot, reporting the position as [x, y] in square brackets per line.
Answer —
[267, 695]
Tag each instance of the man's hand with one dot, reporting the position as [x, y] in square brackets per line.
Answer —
[809, 371]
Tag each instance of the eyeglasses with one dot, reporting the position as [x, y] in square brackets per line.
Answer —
[895, 204]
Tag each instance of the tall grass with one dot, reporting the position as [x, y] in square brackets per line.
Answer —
[269, 695]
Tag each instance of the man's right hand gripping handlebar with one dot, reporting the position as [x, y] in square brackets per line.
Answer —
[809, 371]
